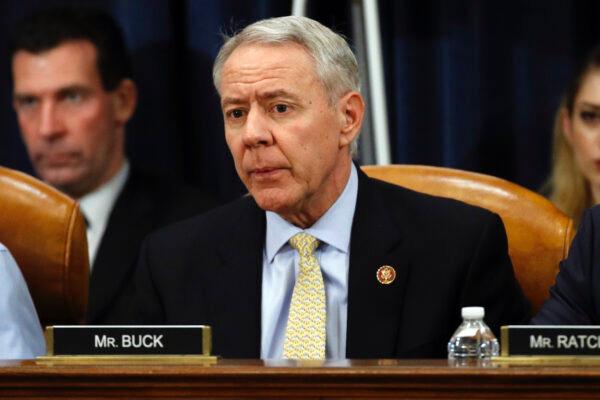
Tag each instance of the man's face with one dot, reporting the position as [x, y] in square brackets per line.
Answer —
[289, 144]
[72, 127]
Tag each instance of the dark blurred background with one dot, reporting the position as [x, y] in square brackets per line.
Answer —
[470, 84]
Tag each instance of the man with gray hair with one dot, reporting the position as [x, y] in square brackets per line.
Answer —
[319, 261]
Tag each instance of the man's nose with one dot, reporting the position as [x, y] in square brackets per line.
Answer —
[257, 130]
[50, 123]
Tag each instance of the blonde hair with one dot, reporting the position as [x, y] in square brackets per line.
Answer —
[567, 186]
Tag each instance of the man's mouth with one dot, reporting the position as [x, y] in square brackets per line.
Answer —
[57, 159]
[265, 172]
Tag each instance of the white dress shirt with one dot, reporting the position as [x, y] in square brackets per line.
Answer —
[20, 331]
[280, 269]
[97, 205]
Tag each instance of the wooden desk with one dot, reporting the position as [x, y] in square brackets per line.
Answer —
[403, 379]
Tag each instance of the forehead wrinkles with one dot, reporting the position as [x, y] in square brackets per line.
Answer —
[280, 82]
[249, 75]
[252, 63]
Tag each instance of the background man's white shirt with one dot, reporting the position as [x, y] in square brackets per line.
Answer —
[97, 206]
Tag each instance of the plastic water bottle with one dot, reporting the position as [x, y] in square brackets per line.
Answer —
[473, 340]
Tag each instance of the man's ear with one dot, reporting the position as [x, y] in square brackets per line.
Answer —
[124, 101]
[567, 126]
[352, 112]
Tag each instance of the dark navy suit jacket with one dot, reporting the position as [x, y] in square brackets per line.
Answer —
[208, 270]
[146, 203]
[575, 298]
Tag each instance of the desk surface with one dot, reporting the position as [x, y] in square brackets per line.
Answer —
[257, 379]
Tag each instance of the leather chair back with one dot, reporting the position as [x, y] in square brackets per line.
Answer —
[45, 232]
[539, 234]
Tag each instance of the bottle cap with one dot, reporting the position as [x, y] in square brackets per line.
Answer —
[472, 312]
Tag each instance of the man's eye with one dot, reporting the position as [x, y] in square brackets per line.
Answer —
[281, 108]
[236, 114]
[26, 102]
[73, 96]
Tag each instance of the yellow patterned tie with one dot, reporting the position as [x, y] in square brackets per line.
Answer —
[305, 334]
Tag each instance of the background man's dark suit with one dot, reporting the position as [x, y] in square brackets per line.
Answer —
[447, 255]
[574, 299]
[146, 203]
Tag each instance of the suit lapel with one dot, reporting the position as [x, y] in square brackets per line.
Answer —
[374, 308]
[236, 290]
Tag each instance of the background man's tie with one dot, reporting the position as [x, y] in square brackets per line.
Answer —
[305, 334]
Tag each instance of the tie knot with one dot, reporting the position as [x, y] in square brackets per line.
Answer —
[304, 243]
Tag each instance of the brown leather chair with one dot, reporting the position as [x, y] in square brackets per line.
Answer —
[539, 234]
[45, 232]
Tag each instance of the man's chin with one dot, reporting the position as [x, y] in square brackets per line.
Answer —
[275, 200]
[67, 182]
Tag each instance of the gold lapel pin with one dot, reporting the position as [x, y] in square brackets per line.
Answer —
[386, 274]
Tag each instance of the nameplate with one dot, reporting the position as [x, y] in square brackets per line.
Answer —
[102, 340]
[556, 340]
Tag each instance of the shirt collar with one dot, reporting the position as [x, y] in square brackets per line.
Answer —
[96, 205]
[333, 228]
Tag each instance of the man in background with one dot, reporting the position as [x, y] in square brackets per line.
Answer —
[73, 95]
[319, 261]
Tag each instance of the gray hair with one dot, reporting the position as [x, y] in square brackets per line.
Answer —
[335, 63]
